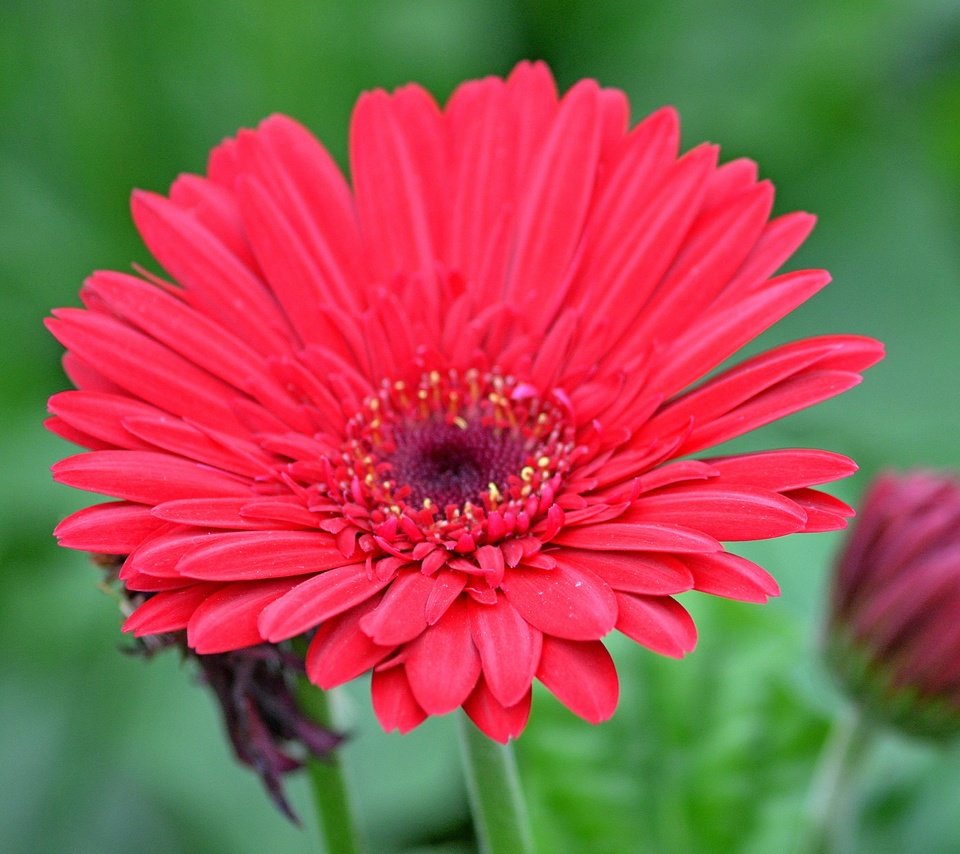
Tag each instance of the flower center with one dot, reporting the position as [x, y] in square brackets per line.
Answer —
[471, 453]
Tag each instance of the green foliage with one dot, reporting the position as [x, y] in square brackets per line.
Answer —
[850, 107]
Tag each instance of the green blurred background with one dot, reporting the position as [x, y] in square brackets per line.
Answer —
[852, 107]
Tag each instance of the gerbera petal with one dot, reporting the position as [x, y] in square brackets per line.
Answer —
[388, 183]
[784, 469]
[443, 664]
[637, 537]
[144, 476]
[393, 702]
[317, 599]
[658, 622]
[723, 512]
[227, 619]
[217, 280]
[168, 611]
[257, 555]
[554, 204]
[509, 649]
[210, 513]
[115, 528]
[499, 722]
[402, 613]
[581, 675]
[632, 572]
[102, 415]
[340, 651]
[731, 576]
[706, 344]
[144, 368]
[824, 512]
[565, 601]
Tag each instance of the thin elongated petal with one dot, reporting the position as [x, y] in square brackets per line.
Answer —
[638, 537]
[115, 528]
[144, 476]
[168, 611]
[723, 512]
[731, 576]
[317, 599]
[256, 555]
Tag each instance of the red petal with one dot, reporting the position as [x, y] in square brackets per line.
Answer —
[387, 182]
[256, 555]
[581, 675]
[554, 203]
[443, 664]
[634, 572]
[114, 528]
[637, 537]
[101, 415]
[144, 476]
[732, 577]
[211, 513]
[777, 402]
[723, 512]
[317, 599]
[446, 588]
[393, 701]
[227, 620]
[658, 623]
[401, 614]
[565, 601]
[706, 344]
[144, 367]
[216, 279]
[168, 611]
[499, 722]
[784, 469]
[509, 649]
[340, 651]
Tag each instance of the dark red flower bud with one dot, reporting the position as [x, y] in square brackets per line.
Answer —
[894, 630]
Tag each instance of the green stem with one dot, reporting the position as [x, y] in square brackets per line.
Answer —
[830, 809]
[338, 827]
[496, 800]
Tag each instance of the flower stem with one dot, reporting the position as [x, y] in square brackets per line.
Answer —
[830, 808]
[338, 827]
[496, 800]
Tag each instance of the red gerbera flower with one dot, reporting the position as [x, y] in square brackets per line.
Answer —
[442, 419]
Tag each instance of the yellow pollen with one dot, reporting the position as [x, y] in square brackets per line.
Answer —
[526, 474]
[461, 422]
[543, 462]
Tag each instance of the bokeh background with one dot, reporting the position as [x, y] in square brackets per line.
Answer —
[851, 107]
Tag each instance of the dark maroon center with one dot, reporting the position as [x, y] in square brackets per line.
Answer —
[453, 463]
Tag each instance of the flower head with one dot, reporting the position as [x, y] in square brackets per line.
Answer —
[442, 418]
[894, 627]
